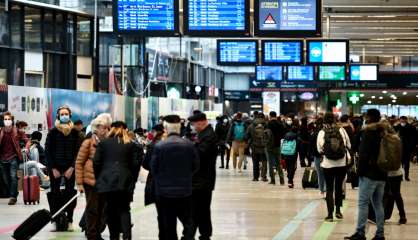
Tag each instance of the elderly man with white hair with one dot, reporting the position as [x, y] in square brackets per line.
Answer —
[85, 179]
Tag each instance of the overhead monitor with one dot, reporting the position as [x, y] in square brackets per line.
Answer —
[364, 72]
[331, 73]
[300, 73]
[327, 51]
[216, 18]
[237, 52]
[146, 17]
[276, 52]
[269, 73]
[288, 18]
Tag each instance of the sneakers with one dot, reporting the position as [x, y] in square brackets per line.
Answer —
[239, 171]
[402, 221]
[355, 236]
[329, 219]
[265, 180]
[339, 216]
[378, 238]
[70, 227]
[255, 180]
[290, 185]
[221, 167]
[12, 201]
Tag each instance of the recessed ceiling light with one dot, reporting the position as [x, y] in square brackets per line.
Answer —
[417, 96]
[394, 101]
[369, 102]
[380, 98]
[384, 92]
[293, 100]
[392, 96]
[404, 93]
[286, 100]
[362, 95]
[373, 97]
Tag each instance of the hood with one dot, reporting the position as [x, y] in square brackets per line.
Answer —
[383, 125]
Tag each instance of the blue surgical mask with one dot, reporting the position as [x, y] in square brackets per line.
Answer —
[64, 119]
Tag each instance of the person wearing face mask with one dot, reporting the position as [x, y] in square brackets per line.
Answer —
[221, 130]
[407, 133]
[61, 148]
[85, 179]
[11, 154]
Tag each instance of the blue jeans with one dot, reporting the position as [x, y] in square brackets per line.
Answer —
[321, 177]
[370, 190]
[9, 172]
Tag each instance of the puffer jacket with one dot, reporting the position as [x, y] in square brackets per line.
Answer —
[84, 172]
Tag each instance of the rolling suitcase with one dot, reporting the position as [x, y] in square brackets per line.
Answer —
[58, 199]
[31, 188]
[310, 178]
[38, 220]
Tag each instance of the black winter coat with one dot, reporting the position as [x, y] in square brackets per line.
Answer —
[277, 130]
[407, 134]
[221, 131]
[61, 151]
[205, 177]
[173, 163]
[116, 166]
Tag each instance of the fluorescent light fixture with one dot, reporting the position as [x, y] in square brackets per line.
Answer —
[404, 93]
[369, 102]
[384, 92]
[380, 98]
[373, 97]
[394, 100]
[362, 95]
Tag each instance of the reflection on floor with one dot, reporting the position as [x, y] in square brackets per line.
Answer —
[243, 209]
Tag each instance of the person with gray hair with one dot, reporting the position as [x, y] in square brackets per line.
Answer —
[174, 161]
[85, 178]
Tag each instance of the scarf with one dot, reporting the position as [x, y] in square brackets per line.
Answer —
[64, 128]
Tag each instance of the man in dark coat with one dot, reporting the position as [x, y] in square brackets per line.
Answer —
[204, 179]
[407, 133]
[173, 163]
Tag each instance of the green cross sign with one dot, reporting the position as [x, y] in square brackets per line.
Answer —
[354, 99]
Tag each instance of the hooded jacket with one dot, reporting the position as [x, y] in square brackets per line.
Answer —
[369, 148]
[250, 135]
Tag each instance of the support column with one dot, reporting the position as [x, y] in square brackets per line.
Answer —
[344, 103]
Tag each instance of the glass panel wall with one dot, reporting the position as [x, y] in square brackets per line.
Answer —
[32, 28]
[83, 36]
[4, 26]
[16, 26]
[48, 31]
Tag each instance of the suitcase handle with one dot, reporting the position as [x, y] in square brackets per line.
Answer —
[66, 205]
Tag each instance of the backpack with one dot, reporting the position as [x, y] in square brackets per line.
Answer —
[239, 131]
[390, 152]
[288, 147]
[334, 147]
[260, 137]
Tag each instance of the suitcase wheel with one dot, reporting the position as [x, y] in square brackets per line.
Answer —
[38, 202]
[25, 202]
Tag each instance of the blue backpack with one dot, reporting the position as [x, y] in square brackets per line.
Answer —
[288, 147]
[239, 131]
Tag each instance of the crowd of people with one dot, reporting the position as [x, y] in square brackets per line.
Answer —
[105, 158]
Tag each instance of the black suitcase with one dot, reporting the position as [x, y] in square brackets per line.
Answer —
[310, 178]
[37, 221]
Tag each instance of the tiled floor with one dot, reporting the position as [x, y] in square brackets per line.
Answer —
[243, 209]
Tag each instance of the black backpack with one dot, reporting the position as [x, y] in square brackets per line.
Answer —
[334, 147]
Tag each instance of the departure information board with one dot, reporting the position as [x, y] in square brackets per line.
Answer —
[282, 52]
[302, 16]
[328, 51]
[236, 52]
[216, 15]
[331, 73]
[363, 72]
[140, 16]
[269, 73]
[300, 73]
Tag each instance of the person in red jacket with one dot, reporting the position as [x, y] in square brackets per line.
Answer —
[11, 154]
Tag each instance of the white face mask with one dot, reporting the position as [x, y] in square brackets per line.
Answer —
[403, 124]
[8, 123]
[225, 120]
[289, 122]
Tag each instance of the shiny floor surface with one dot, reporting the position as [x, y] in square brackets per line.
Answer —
[243, 209]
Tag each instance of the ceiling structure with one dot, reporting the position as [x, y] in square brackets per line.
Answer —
[380, 27]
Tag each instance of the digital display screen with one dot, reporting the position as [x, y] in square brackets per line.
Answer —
[331, 73]
[287, 15]
[300, 73]
[231, 52]
[269, 73]
[282, 52]
[327, 51]
[363, 72]
[146, 15]
[216, 15]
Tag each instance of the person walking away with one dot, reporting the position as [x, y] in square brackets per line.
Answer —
[173, 163]
[303, 141]
[273, 151]
[333, 142]
[289, 152]
[11, 154]
[236, 135]
[204, 178]
[116, 166]
[408, 136]
[85, 178]
[258, 136]
[221, 130]
[317, 156]
[371, 178]
[61, 148]
[393, 186]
